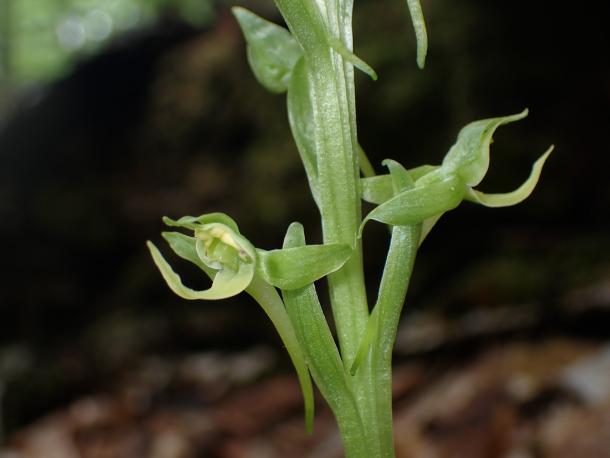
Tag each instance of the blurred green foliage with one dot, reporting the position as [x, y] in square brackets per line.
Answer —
[40, 39]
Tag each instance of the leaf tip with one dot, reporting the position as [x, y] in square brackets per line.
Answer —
[239, 13]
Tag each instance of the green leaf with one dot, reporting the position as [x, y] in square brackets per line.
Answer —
[292, 268]
[518, 195]
[300, 116]
[413, 206]
[419, 25]
[226, 283]
[272, 51]
[316, 340]
[469, 156]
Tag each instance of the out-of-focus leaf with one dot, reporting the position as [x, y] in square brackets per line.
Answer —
[419, 25]
[272, 51]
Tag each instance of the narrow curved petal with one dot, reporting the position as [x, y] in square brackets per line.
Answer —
[195, 222]
[226, 282]
[469, 156]
[185, 247]
[511, 198]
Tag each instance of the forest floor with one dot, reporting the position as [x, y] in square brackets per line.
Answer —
[487, 384]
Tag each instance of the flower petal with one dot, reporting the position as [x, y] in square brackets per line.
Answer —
[185, 247]
[226, 283]
[511, 198]
[469, 156]
[195, 222]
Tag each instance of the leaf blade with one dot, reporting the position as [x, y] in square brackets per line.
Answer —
[293, 268]
[272, 50]
[421, 34]
[412, 206]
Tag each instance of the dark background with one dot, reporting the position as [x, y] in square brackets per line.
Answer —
[168, 120]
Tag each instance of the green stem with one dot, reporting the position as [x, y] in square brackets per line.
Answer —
[271, 302]
[332, 94]
[340, 212]
[392, 292]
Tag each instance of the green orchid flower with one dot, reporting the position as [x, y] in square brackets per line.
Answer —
[222, 252]
[235, 265]
[438, 189]
[217, 248]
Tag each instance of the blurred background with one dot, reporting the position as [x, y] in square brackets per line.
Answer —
[114, 113]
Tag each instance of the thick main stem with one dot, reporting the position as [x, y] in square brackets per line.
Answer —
[340, 212]
[332, 94]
